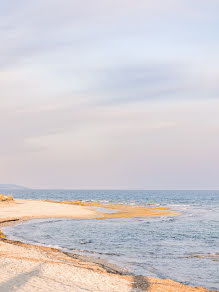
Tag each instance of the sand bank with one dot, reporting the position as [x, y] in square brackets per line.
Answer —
[19, 210]
[32, 268]
[30, 209]
[122, 211]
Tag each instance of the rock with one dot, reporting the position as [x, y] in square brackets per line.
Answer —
[10, 198]
[1, 234]
[4, 198]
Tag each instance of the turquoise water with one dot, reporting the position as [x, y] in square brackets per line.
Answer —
[183, 248]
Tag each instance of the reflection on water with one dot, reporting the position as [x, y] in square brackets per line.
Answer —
[183, 248]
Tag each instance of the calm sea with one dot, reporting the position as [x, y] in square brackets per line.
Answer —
[183, 248]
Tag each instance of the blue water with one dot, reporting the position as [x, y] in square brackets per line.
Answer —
[183, 248]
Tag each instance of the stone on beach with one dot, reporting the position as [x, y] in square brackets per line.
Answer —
[4, 198]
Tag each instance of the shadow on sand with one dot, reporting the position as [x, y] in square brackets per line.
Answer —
[18, 281]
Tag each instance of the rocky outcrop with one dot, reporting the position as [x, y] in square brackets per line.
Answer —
[4, 198]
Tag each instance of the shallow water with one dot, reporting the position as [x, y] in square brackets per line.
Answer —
[183, 248]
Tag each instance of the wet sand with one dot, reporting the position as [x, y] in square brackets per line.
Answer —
[122, 211]
[25, 267]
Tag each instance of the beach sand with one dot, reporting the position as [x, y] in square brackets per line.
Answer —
[29, 209]
[122, 211]
[25, 267]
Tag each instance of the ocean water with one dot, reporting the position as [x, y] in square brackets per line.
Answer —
[182, 248]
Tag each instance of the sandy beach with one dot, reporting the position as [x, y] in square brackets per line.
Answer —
[29, 209]
[25, 267]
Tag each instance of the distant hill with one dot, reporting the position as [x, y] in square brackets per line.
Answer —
[11, 187]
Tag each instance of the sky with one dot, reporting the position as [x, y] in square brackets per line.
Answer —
[109, 94]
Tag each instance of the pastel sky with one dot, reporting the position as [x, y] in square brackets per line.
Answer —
[109, 94]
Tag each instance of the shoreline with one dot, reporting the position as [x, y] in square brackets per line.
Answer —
[117, 279]
[110, 268]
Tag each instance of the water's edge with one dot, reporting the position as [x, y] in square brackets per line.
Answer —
[109, 268]
[182, 248]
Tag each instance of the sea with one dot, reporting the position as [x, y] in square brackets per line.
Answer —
[183, 248]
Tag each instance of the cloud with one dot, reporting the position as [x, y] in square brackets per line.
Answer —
[32, 28]
[95, 88]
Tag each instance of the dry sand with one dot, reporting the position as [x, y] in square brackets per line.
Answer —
[27, 209]
[31, 268]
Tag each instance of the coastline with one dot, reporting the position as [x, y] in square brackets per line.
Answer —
[65, 271]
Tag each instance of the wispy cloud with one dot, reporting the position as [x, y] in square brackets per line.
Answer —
[90, 87]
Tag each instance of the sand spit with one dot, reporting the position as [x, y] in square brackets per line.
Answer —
[122, 211]
[29, 209]
[25, 267]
